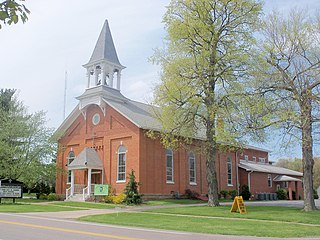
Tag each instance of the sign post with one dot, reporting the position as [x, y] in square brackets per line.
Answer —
[10, 189]
[101, 189]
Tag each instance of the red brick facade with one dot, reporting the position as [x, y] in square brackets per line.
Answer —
[147, 157]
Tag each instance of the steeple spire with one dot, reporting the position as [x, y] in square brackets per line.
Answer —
[104, 63]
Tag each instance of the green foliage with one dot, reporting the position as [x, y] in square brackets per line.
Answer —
[315, 194]
[131, 191]
[26, 149]
[233, 193]
[245, 192]
[224, 193]
[282, 194]
[13, 10]
[207, 51]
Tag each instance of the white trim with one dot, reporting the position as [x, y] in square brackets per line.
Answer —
[229, 161]
[172, 166]
[194, 168]
[120, 181]
[125, 163]
[170, 182]
[193, 183]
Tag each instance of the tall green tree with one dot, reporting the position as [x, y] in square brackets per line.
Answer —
[25, 141]
[288, 78]
[11, 11]
[207, 48]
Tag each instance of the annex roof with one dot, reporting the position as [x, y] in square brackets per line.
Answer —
[88, 158]
[104, 49]
[267, 168]
[285, 178]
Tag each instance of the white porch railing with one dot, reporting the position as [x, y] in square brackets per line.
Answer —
[85, 193]
[68, 193]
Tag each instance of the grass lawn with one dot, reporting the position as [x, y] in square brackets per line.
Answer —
[171, 201]
[20, 208]
[221, 226]
[86, 205]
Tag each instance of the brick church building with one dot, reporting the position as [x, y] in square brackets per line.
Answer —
[104, 138]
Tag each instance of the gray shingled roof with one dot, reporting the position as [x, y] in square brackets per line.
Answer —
[267, 168]
[104, 49]
[87, 158]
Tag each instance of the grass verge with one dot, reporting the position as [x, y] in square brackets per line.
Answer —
[86, 205]
[224, 225]
[21, 208]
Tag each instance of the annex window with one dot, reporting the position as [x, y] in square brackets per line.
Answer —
[71, 157]
[122, 152]
[169, 166]
[262, 160]
[229, 167]
[246, 158]
[254, 159]
[286, 184]
[269, 180]
[192, 168]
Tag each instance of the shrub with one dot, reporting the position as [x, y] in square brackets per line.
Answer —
[245, 193]
[115, 199]
[281, 194]
[52, 197]
[191, 194]
[233, 194]
[315, 194]
[131, 191]
[224, 193]
[42, 196]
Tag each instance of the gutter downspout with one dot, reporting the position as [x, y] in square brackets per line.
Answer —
[249, 180]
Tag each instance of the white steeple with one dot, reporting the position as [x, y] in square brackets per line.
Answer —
[104, 65]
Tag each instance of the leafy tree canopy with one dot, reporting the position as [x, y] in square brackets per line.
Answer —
[11, 11]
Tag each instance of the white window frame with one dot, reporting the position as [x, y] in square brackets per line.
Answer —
[169, 169]
[269, 181]
[192, 169]
[229, 171]
[121, 169]
[246, 157]
[254, 159]
[262, 160]
[69, 160]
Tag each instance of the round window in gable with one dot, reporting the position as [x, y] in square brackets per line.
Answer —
[96, 119]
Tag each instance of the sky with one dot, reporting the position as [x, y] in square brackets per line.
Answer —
[59, 38]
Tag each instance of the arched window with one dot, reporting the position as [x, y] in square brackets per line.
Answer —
[122, 152]
[70, 158]
[169, 166]
[192, 168]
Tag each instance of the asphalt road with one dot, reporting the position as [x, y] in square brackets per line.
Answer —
[26, 227]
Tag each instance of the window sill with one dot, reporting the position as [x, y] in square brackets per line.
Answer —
[230, 185]
[169, 182]
[121, 181]
[193, 183]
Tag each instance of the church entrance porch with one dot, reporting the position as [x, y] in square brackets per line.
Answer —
[89, 161]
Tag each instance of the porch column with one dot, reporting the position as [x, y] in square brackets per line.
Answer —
[72, 182]
[89, 181]
[290, 191]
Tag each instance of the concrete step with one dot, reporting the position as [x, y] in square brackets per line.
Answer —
[76, 198]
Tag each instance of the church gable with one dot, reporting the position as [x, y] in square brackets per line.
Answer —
[115, 124]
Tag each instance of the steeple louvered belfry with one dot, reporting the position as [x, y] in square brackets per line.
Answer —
[104, 67]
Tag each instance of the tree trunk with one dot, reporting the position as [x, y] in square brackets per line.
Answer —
[307, 155]
[211, 150]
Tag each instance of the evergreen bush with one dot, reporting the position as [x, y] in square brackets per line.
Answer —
[245, 192]
[281, 194]
[131, 191]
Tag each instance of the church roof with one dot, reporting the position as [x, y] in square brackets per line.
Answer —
[104, 49]
[267, 168]
[87, 158]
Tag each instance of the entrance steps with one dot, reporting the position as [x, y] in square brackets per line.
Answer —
[75, 198]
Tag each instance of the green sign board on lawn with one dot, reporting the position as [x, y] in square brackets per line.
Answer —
[101, 189]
